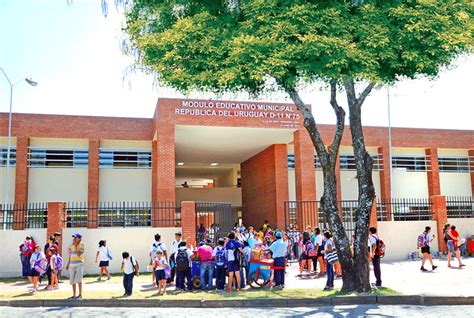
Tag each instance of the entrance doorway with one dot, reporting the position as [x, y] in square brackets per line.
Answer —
[214, 220]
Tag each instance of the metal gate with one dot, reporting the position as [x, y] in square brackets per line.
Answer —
[214, 220]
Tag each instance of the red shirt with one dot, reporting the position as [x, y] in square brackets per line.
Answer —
[205, 252]
[455, 237]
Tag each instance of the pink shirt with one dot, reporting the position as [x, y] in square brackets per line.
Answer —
[205, 252]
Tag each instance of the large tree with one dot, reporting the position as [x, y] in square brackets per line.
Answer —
[243, 45]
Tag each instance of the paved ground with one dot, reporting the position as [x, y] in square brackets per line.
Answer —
[320, 312]
[404, 277]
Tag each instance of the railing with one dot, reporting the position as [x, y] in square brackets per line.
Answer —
[28, 216]
[123, 214]
[460, 207]
[404, 210]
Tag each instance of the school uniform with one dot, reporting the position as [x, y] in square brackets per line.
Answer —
[279, 249]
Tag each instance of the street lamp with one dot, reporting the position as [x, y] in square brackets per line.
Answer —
[32, 83]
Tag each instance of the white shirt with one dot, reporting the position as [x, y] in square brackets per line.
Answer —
[103, 254]
[329, 242]
[319, 239]
[128, 267]
[372, 241]
[174, 246]
[429, 238]
[155, 247]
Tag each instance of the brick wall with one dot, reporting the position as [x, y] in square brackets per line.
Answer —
[265, 187]
[93, 182]
[434, 187]
[163, 161]
[188, 216]
[471, 155]
[305, 177]
[21, 177]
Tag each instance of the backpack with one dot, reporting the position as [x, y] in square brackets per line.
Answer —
[40, 266]
[182, 260]
[220, 257]
[310, 249]
[59, 263]
[421, 241]
[380, 248]
[155, 249]
[135, 268]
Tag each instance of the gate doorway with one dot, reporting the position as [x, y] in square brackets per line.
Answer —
[214, 220]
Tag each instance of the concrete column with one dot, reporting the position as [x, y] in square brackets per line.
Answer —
[440, 215]
[188, 222]
[93, 183]
[56, 220]
[434, 187]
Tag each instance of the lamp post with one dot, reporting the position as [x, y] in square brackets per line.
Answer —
[390, 144]
[7, 172]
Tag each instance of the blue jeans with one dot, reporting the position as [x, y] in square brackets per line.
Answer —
[209, 268]
[180, 276]
[25, 266]
[279, 274]
[330, 275]
[128, 283]
[220, 278]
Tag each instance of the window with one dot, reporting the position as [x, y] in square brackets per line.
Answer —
[347, 162]
[453, 164]
[409, 163]
[4, 156]
[291, 162]
[57, 158]
[130, 159]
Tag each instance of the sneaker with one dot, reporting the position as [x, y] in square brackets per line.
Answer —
[99, 279]
[72, 297]
[79, 298]
[462, 265]
[327, 288]
[108, 278]
[434, 267]
[423, 269]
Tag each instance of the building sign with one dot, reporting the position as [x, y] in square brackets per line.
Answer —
[283, 114]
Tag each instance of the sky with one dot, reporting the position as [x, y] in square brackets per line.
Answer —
[74, 53]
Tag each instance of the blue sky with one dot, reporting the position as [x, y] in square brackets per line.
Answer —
[73, 52]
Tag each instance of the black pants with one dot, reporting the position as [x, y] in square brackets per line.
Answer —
[128, 283]
[377, 272]
[48, 272]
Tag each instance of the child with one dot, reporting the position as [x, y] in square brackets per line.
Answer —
[219, 255]
[160, 264]
[54, 269]
[130, 269]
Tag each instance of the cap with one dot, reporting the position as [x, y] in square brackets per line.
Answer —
[77, 235]
[278, 235]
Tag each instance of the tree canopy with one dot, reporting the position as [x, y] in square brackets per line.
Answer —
[237, 45]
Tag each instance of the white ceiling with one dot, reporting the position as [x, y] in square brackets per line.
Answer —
[203, 144]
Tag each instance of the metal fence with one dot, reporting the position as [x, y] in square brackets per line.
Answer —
[214, 220]
[404, 209]
[460, 207]
[28, 216]
[123, 214]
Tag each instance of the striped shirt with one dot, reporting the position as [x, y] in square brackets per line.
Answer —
[77, 260]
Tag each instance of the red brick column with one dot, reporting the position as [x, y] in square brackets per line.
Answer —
[440, 215]
[384, 174]
[434, 187]
[93, 183]
[21, 173]
[305, 171]
[188, 222]
[471, 160]
[265, 187]
[163, 165]
[373, 215]
[56, 220]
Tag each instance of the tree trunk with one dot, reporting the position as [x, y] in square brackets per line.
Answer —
[366, 195]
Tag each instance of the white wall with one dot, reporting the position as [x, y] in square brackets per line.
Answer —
[400, 237]
[137, 241]
[57, 184]
[410, 184]
[291, 185]
[455, 184]
[319, 184]
[11, 240]
[59, 143]
[125, 184]
[11, 184]
[465, 226]
[349, 187]
[231, 195]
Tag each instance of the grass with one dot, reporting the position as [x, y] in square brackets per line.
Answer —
[113, 290]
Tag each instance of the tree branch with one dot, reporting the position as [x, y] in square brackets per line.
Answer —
[365, 93]
[340, 115]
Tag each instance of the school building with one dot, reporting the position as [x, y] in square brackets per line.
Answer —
[254, 158]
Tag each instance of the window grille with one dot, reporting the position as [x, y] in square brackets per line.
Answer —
[57, 158]
[125, 158]
[4, 156]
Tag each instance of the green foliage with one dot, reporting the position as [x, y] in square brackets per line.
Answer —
[231, 45]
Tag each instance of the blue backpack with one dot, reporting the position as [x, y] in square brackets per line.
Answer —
[220, 257]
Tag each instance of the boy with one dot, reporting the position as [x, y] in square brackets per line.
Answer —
[183, 266]
[219, 255]
[130, 269]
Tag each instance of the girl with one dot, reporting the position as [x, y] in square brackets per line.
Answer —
[455, 238]
[33, 276]
[54, 270]
[426, 249]
[104, 255]
[328, 248]
[160, 265]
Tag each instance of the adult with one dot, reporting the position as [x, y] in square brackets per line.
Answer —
[329, 247]
[426, 249]
[35, 258]
[233, 248]
[157, 245]
[279, 250]
[455, 239]
[75, 265]
[374, 255]
[207, 264]
[26, 249]
[173, 251]
[52, 243]
[103, 256]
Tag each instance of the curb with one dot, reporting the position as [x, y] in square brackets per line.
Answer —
[250, 303]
